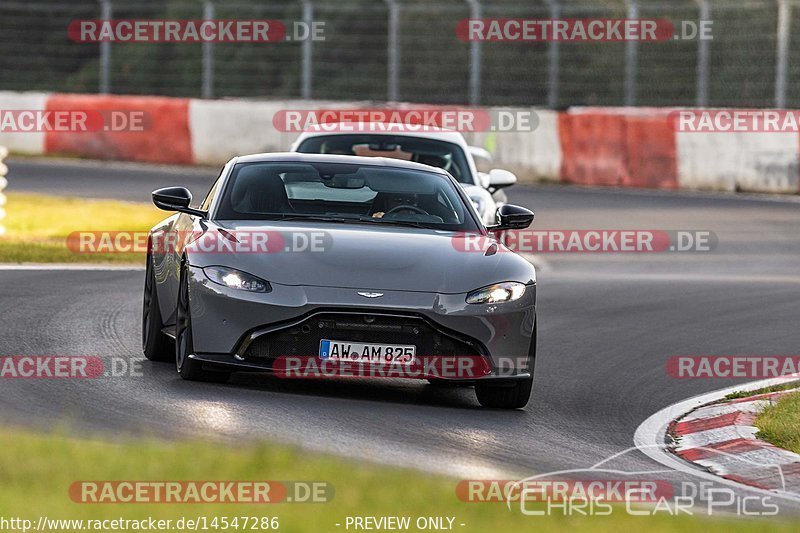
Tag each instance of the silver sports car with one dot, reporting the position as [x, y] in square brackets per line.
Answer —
[312, 266]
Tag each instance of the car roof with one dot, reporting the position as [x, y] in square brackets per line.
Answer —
[355, 128]
[296, 157]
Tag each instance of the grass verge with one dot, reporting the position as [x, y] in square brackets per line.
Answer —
[780, 423]
[765, 390]
[37, 470]
[37, 227]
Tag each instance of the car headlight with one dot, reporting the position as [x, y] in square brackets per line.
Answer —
[497, 293]
[478, 204]
[236, 279]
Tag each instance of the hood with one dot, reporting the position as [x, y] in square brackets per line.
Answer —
[365, 257]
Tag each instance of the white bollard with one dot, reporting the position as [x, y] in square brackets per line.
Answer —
[3, 183]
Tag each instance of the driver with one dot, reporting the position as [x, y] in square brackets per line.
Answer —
[432, 160]
[383, 203]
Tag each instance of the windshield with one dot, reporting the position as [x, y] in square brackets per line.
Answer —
[344, 193]
[440, 154]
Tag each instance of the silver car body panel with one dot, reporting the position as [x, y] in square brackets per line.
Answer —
[418, 272]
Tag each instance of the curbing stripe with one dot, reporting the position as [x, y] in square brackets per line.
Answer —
[714, 422]
[704, 438]
[724, 408]
[651, 439]
[735, 446]
[727, 444]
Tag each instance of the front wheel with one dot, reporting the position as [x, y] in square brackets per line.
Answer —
[514, 395]
[188, 368]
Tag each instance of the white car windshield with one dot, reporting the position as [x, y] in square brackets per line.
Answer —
[432, 152]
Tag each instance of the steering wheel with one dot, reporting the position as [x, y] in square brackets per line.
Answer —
[411, 208]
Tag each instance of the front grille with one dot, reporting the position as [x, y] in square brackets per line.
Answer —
[303, 339]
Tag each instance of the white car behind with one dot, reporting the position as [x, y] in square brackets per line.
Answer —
[444, 149]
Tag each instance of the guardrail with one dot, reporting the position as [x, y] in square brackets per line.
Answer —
[607, 146]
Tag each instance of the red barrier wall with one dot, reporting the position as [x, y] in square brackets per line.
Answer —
[592, 147]
[618, 148]
[165, 137]
[600, 146]
[652, 157]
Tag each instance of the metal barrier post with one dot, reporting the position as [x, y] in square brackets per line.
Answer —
[207, 90]
[631, 58]
[475, 12]
[105, 51]
[782, 52]
[553, 59]
[306, 71]
[703, 58]
[393, 51]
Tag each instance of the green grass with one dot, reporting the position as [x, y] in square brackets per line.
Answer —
[780, 423]
[772, 388]
[37, 227]
[37, 470]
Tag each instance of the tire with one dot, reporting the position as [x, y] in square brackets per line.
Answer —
[189, 369]
[513, 395]
[155, 344]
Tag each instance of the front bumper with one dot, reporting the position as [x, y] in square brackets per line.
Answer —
[228, 324]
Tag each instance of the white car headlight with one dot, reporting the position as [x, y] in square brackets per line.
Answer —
[236, 279]
[497, 293]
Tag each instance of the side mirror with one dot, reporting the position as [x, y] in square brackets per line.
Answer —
[176, 199]
[512, 217]
[480, 153]
[499, 178]
[482, 158]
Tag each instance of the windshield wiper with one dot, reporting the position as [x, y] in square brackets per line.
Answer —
[351, 220]
[316, 218]
[394, 222]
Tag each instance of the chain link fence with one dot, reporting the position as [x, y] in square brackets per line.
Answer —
[406, 50]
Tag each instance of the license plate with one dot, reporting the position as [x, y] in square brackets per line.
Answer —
[356, 352]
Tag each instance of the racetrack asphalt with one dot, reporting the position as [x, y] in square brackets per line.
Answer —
[607, 325]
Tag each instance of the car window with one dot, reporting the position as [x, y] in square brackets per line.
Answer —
[205, 205]
[344, 193]
[433, 152]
